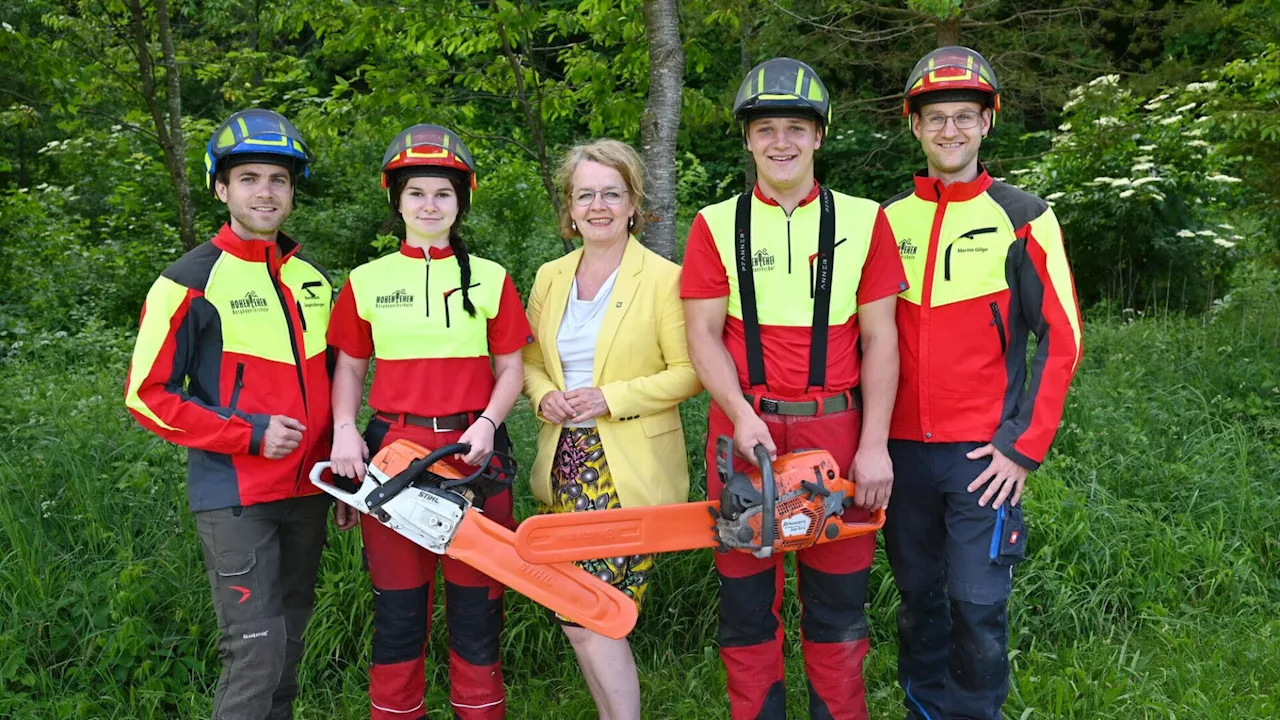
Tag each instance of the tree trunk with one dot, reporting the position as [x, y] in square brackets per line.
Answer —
[949, 31]
[660, 124]
[744, 32]
[168, 129]
[533, 120]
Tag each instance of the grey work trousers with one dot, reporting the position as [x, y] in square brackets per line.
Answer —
[262, 561]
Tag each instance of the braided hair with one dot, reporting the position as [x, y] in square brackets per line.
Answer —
[462, 190]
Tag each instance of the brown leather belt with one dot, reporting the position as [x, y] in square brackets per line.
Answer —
[457, 421]
[847, 400]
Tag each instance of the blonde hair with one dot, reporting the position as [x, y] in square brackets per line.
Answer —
[610, 153]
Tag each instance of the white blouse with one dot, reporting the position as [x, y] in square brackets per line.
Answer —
[576, 339]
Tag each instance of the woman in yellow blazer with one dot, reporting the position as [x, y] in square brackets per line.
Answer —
[607, 370]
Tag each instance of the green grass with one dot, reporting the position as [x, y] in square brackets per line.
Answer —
[1152, 588]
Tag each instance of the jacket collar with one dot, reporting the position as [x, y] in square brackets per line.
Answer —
[414, 252]
[264, 251]
[630, 271]
[934, 190]
[813, 195]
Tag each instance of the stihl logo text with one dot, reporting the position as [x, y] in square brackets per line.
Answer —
[536, 573]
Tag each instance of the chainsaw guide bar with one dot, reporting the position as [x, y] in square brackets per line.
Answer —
[416, 494]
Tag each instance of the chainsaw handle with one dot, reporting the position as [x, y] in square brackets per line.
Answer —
[411, 474]
[317, 470]
[769, 493]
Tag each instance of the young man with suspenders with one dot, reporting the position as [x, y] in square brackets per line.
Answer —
[789, 301]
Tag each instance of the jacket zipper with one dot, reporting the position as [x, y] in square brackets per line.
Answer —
[301, 315]
[999, 323]
[297, 356]
[426, 286]
[788, 243]
[237, 387]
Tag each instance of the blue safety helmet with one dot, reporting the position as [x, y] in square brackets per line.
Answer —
[256, 136]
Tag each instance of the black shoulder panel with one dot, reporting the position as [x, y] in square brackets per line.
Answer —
[192, 270]
[900, 196]
[1021, 206]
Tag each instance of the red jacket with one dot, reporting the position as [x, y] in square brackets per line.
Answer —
[231, 334]
[986, 267]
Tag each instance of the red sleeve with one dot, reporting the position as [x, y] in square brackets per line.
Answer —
[882, 273]
[349, 332]
[703, 275]
[509, 329]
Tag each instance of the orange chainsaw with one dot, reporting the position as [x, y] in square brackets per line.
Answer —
[413, 492]
[793, 503]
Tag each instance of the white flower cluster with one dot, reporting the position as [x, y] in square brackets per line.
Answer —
[1219, 177]
[1107, 121]
[1105, 80]
[1202, 86]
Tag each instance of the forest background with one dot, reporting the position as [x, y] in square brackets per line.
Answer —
[1153, 584]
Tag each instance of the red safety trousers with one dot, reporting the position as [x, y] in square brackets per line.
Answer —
[832, 584]
[403, 577]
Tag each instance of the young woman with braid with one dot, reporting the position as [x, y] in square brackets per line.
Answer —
[447, 329]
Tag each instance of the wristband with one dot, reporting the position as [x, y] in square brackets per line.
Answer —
[491, 422]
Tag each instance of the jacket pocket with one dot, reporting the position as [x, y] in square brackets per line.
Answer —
[237, 387]
[664, 422]
[302, 317]
[999, 323]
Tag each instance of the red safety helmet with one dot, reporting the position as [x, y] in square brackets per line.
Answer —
[951, 74]
[427, 150]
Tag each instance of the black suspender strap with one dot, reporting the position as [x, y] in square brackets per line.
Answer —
[823, 267]
[747, 291]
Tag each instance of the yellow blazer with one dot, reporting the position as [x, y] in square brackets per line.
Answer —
[642, 366]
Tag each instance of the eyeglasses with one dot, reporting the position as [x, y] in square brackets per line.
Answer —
[964, 120]
[583, 197]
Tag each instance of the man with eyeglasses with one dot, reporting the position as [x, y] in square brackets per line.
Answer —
[789, 294]
[986, 267]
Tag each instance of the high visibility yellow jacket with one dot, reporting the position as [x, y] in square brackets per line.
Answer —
[232, 333]
[987, 267]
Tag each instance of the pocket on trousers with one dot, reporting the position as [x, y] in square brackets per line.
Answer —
[1009, 540]
[234, 565]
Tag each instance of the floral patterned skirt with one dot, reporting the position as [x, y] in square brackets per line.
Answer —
[581, 482]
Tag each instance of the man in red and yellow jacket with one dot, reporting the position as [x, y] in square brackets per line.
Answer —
[231, 362]
[986, 267]
[789, 294]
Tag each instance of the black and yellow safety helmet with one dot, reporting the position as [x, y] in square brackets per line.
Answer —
[782, 87]
[951, 74]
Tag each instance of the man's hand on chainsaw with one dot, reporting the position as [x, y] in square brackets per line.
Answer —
[281, 437]
[873, 476]
[480, 437]
[750, 431]
[349, 453]
[587, 403]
